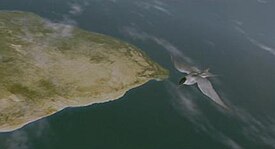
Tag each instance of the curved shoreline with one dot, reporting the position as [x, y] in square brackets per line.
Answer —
[77, 106]
[45, 70]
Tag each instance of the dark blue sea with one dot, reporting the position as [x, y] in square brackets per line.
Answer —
[234, 38]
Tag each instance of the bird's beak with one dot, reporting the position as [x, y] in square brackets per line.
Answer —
[180, 85]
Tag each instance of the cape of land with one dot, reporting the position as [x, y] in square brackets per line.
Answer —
[46, 67]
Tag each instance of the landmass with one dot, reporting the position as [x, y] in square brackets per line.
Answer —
[46, 67]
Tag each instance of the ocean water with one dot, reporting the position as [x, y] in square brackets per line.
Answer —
[235, 39]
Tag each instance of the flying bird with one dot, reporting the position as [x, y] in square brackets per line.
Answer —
[196, 76]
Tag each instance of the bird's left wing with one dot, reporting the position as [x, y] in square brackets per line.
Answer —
[206, 87]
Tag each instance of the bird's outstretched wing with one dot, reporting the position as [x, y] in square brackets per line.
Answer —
[206, 87]
[184, 68]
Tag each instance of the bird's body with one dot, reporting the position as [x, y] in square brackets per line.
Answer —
[191, 79]
[196, 76]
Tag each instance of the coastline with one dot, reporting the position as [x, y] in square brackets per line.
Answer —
[43, 73]
[98, 101]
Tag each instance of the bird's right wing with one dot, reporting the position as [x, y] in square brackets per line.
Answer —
[184, 68]
[206, 87]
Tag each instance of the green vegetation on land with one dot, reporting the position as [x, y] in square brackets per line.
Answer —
[46, 67]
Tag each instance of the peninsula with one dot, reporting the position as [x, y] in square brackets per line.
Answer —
[47, 66]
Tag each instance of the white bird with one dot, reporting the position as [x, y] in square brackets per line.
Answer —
[194, 75]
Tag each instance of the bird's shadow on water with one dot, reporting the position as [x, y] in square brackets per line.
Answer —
[226, 126]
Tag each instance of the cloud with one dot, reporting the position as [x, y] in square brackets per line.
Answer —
[76, 9]
[65, 27]
[252, 128]
[135, 34]
[261, 45]
[239, 29]
[209, 42]
[228, 141]
[238, 22]
[255, 42]
[182, 100]
[162, 9]
[262, 1]
[20, 139]
[140, 35]
[258, 131]
[186, 105]
[113, 1]
[61, 29]
[153, 5]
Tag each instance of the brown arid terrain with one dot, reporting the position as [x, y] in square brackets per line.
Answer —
[46, 67]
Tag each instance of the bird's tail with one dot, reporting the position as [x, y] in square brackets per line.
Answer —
[207, 74]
